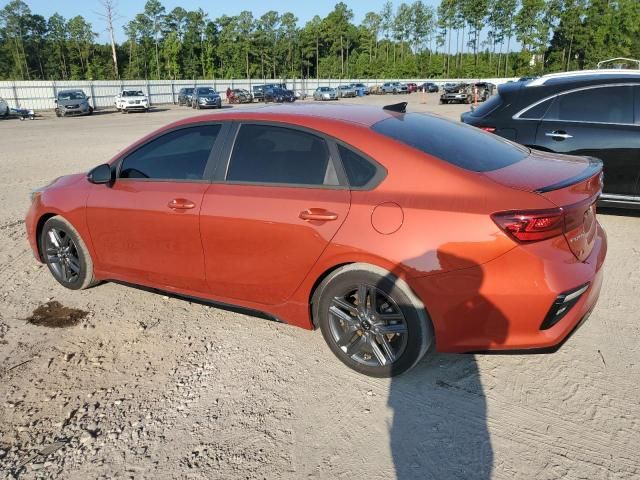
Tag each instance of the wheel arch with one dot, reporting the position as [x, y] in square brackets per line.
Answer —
[39, 225]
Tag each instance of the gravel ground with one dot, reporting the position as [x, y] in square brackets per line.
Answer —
[151, 387]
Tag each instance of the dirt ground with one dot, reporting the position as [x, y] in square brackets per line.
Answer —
[145, 386]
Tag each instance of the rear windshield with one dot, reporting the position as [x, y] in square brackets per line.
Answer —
[459, 144]
[488, 106]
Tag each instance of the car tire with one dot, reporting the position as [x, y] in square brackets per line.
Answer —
[58, 114]
[63, 263]
[349, 334]
[6, 112]
[90, 111]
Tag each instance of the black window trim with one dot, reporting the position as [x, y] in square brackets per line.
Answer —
[378, 177]
[212, 160]
[589, 87]
[220, 175]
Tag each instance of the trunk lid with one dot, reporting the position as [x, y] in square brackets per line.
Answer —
[571, 183]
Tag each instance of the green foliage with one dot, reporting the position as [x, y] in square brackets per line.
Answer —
[459, 38]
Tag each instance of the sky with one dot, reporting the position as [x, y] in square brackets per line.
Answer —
[127, 9]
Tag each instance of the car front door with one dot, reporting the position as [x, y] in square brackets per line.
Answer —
[145, 226]
[274, 207]
[599, 122]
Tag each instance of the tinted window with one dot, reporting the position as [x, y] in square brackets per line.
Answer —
[607, 104]
[488, 106]
[268, 154]
[359, 169]
[178, 155]
[462, 145]
[538, 111]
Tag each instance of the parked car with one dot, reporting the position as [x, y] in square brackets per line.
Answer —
[361, 89]
[185, 96]
[578, 113]
[4, 108]
[429, 87]
[258, 93]
[278, 95]
[376, 90]
[72, 102]
[412, 87]
[457, 93]
[240, 95]
[206, 97]
[484, 90]
[346, 91]
[333, 243]
[325, 93]
[394, 87]
[301, 95]
[131, 100]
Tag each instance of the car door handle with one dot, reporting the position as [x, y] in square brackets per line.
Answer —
[318, 215]
[181, 204]
[558, 135]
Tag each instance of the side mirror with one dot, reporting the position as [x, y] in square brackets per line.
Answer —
[55, 101]
[100, 174]
[88, 97]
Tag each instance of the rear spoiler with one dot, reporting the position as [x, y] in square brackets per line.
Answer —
[595, 166]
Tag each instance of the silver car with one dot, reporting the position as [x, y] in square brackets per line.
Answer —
[394, 87]
[325, 93]
[346, 91]
[72, 102]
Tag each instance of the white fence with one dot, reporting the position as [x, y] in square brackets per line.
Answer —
[40, 95]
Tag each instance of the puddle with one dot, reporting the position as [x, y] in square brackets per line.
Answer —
[53, 314]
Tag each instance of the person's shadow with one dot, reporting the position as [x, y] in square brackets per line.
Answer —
[439, 429]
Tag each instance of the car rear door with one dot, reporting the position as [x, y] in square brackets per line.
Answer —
[597, 121]
[145, 227]
[273, 208]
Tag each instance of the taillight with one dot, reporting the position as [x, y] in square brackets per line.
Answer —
[488, 129]
[531, 225]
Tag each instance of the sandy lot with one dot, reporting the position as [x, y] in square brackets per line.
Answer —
[152, 387]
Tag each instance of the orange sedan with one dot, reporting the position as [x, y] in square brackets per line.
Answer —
[396, 234]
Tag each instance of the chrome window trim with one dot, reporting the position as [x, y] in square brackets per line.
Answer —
[517, 115]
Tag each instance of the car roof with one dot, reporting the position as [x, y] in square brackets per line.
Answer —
[70, 90]
[300, 113]
[586, 76]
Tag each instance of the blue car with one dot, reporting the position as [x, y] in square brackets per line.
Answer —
[360, 88]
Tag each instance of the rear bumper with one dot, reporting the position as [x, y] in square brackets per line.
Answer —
[500, 305]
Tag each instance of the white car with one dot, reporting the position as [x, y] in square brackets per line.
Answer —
[132, 100]
[4, 108]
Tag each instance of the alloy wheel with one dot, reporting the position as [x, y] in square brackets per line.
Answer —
[62, 255]
[368, 326]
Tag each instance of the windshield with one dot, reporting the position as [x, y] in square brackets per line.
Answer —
[71, 95]
[132, 93]
[324, 89]
[207, 91]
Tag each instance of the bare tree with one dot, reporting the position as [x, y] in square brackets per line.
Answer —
[109, 16]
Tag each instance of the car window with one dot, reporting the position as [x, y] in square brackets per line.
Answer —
[359, 170]
[270, 154]
[178, 155]
[537, 111]
[605, 104]
[456, 143]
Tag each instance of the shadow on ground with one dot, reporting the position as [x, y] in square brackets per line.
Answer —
[439, 428]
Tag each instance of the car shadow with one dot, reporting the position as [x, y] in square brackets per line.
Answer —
[619, 212]
[439, 428]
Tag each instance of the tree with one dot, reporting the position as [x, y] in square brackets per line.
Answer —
[109, 17]
[154, 11]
